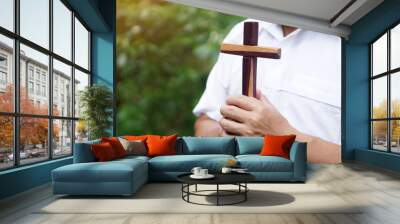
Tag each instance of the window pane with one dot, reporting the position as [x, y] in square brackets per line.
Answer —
[62, 138]
[62, 29]
[81, 45]
[81, 131]
[35, 21]
[6, 142]
[6, 74]
[395, 136]
[395, 47]
[62, 89]
[33, 139]
[379, 135]
[81, 81]
[395, 94]
[379, 55]
[7, 14]
[379, 97]
[34, 72]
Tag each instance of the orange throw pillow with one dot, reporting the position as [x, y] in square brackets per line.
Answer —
[135, 137]
[277, 145]
[161, 145]
[116, 145]
[103, 152]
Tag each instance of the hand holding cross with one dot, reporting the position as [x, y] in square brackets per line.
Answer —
[250, 51]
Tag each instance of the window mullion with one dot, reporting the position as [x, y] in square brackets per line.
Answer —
[73, 82]
[16, 69]
[371, 142]
[50, 81]
[389, 104]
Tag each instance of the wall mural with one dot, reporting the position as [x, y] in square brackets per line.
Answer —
[181, 70]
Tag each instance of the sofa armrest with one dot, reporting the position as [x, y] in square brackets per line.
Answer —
[83, 152]
[298, 155]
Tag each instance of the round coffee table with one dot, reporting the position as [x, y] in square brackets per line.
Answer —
[238, 179]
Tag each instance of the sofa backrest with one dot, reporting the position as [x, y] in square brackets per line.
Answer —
[191, 146]
[83, 152]
[206, 145]
[249, 145]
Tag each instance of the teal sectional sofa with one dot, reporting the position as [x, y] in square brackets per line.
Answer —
[125, 176]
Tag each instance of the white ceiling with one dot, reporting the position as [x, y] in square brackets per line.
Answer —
[318, 15]
[321, 9]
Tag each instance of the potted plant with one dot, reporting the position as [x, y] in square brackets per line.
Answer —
[96, 104]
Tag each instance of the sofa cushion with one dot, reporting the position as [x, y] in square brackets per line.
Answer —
[257, 163]
[135, 137]
[135, 147]
[116, 145]
[185, 163]
[103, 152]
[277, 145]
[112, 171]
[161, 145]
[133, 158]
[249, 145]
[206, 145]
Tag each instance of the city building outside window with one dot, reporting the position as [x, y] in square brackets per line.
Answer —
[43, 90]
[30, 87]
[3, 72]
[37, 74]
[3, 60]
[58, 126]
[44, 77]
[38, 89]
[3, 78]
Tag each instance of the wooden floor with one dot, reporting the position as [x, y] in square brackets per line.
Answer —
[379, 189]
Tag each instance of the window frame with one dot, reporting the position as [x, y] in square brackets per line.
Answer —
[16, 115]
[388, 74]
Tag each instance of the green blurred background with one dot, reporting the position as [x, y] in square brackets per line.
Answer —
[164, 54]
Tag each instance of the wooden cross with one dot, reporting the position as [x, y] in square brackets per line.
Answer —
[250, 51]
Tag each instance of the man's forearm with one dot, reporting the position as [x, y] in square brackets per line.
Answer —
[206, 126]
[319, 150]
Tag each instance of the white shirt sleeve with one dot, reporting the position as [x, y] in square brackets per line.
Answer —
[214, 95]
[216, 92]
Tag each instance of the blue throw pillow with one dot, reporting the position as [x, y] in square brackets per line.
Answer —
[249, 145]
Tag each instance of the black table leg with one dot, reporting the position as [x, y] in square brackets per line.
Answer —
[217, 194]
[188, 190]
[245, 193]
[182, 190]
[195, 188]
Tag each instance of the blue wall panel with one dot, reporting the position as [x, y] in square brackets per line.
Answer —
[24, 178]
[103, 65]
[379, 159]
[356, 105]
[103, 53]
[357, 99]
[103, 60]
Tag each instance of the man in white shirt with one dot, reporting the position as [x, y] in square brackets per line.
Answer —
[298, 94]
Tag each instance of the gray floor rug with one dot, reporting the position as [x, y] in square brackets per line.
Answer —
[166, 198]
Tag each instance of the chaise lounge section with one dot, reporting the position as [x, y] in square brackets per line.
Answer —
[88, 177]
[125, 176]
